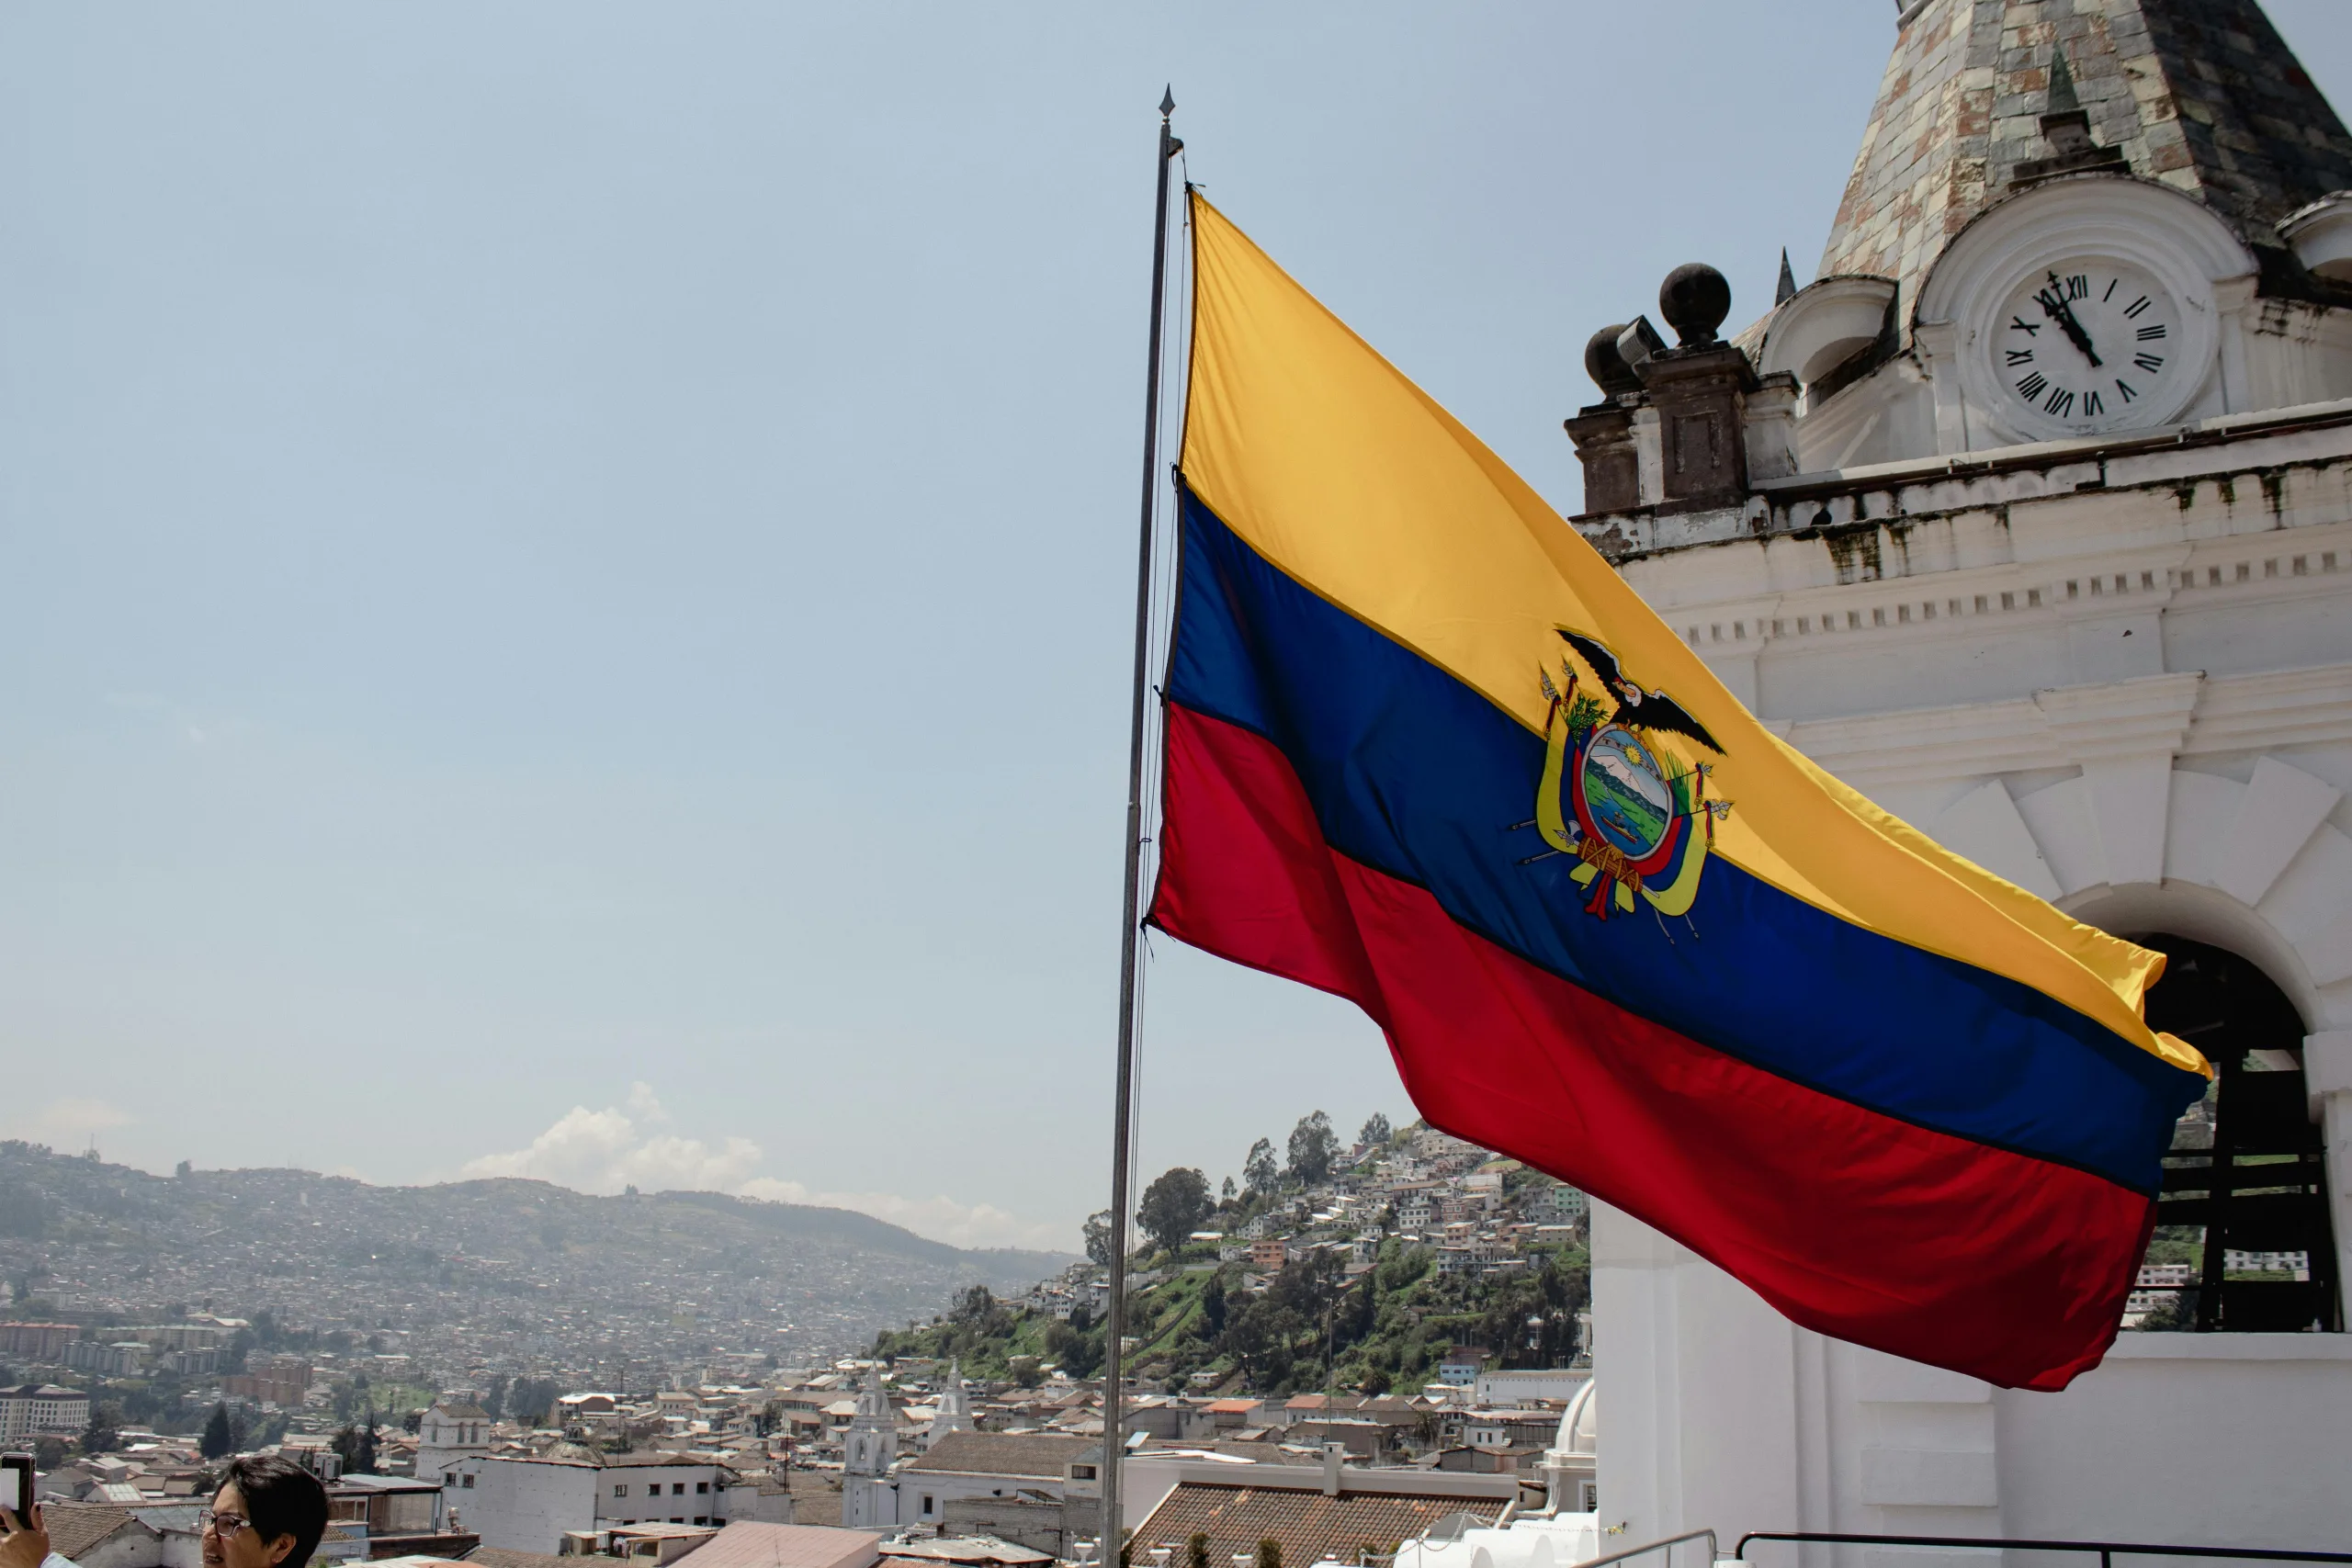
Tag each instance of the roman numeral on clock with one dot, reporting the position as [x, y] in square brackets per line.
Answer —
[2020, 357]
[2149, 362]
[2019, 324]
[2125, 387]
[2061, 402]
[2150, 335]
[2030, 388]
[2092, 407]
[2132, 312]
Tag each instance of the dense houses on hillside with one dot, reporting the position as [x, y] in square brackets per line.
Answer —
[1479, 1215]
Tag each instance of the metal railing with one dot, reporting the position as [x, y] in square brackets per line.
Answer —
[1666, 1545]
[2107, 1550]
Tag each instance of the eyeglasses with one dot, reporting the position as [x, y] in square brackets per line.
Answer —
[223, 1525]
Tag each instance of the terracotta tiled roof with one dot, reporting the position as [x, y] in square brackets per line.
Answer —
[1004, 1453]
[747, 1544]
[1310, 1526]
[75, 1527]
[2202, 95]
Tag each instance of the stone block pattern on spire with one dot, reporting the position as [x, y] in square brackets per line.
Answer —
[2202, 95]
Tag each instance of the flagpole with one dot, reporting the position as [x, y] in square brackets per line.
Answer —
[1123, 1099]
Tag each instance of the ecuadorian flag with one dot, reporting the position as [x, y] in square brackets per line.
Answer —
[1427, 751]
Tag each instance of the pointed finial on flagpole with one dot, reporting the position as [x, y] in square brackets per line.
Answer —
[1167, 100]
[1788, 280]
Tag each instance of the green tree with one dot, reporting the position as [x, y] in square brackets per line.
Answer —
[1258, 1337]
[1174, 1206]
[1098, 1238]
[1212, 1304]
[1197, 1550]
[1260, 1174]
[214, 1444]
[1076, 1346]
[1377, 1131]
[1312, 1144]
[527, 1399]
[1269, 1553]
[99, 1436]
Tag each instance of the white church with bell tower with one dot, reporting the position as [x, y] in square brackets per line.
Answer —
[869, 1453]
[2031, 517]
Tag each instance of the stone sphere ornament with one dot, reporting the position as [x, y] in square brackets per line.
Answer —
[1606, 366]
[1694, 299]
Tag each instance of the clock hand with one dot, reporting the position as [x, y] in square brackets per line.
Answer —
[2057, 310]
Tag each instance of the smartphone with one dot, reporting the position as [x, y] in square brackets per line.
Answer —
[16, 1484]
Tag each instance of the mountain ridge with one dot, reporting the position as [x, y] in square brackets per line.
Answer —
[114, 1243]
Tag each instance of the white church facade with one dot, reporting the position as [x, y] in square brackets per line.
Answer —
[2032, 519]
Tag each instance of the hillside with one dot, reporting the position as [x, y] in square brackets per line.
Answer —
[476, 1276]
[1385, 1329]
[1341, 1270]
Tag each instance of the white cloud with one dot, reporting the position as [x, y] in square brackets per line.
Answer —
[604, 1151]
[583, 1150]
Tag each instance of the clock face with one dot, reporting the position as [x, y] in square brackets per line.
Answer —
[2088, 345]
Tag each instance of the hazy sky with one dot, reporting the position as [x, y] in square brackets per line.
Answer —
[568, 567]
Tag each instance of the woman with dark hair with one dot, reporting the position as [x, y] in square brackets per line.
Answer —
[268, 1513]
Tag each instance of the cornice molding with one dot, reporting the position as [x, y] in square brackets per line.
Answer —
[2184, 714]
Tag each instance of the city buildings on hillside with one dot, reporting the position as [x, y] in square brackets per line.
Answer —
[39, 1342]
[271, 1380]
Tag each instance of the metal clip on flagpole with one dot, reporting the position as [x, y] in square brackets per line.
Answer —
[1115, 1322]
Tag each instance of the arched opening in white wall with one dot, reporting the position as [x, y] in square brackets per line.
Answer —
[2245, 1206]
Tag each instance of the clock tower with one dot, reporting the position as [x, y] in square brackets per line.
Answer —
[2031, 518]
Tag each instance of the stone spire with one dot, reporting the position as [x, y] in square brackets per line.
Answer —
[2066, 132]
[955, 1405]
[2202, 95]
[871, 1445]
[2063, 98]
